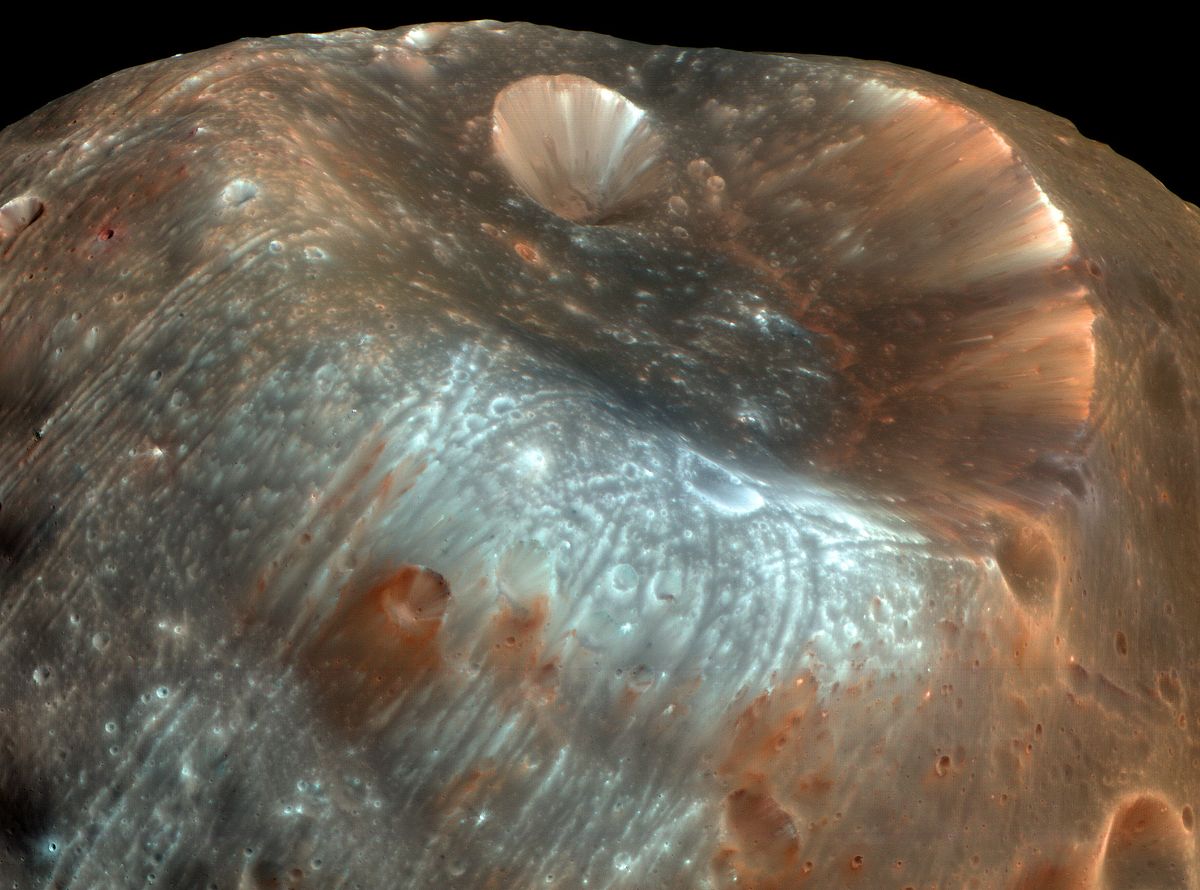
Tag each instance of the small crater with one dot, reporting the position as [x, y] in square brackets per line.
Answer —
[723, 490]
[1146, 848]
[578, 148]
[764, 832]
[1122, 643]
[526, 252]
[1170, 688]
[379, 641]
[426, 38]
[1028, 562]
[18, 214]
[624, 577]
[239, 192]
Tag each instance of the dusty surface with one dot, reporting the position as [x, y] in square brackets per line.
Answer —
[492, 456]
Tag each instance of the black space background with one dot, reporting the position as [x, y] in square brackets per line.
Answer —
[1128, 79]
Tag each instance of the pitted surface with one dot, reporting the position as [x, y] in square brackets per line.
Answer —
[805, 496]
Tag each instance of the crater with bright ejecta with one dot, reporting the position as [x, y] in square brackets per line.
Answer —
[483, 455]
[581, 150]
[17, 214]
[722, 489]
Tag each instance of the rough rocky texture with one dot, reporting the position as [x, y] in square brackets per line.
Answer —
[493, 456]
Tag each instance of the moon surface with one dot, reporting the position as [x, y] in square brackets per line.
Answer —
[485, 456]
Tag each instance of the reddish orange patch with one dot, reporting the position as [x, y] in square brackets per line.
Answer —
[628, 700]
[343, 491]
[768, 725]
[813, 785]
[763, 827]
[518, 647]
[765, 853]
[384, 638]
[527, 252]
[762, 844]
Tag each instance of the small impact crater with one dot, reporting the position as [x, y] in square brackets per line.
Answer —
[379, 642]
[765, 849]
[1027, 560]
[578, 148]
[239, 192]
[1146, 848]
[18, 214]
